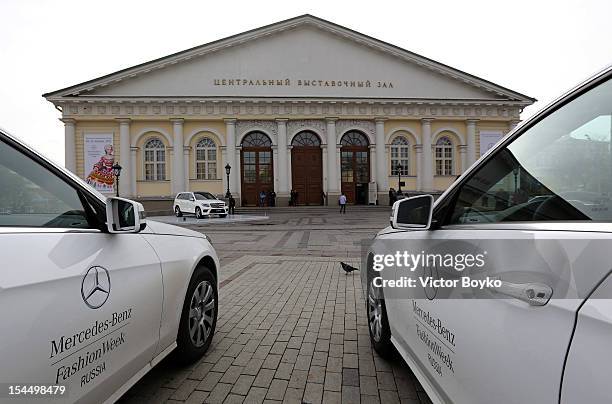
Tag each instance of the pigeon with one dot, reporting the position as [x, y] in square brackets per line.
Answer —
[347, 268]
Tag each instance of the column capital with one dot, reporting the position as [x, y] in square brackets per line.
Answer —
[68, 121]
[418, 148]
[281, 120]
[177, 120]
[331, 119]
[427, 121]
[463, 148]
[230, 121]
[472, 121]
[123, 120]
[380, 119]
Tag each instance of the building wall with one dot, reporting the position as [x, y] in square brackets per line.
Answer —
[143, 128]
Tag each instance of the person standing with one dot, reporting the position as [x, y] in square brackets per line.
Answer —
[342, 202]
[232, 205]
[272, 199]
[262, 198]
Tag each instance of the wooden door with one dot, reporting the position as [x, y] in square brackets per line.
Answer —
[307, 174]
[256, 174]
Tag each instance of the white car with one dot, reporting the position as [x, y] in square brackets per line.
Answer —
[200, 204]
[92, 295]
[533, 320]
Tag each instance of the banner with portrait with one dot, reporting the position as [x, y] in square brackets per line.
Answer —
[488, 139]
[99, 157]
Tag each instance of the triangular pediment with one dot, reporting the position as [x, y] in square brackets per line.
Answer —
[302, 57]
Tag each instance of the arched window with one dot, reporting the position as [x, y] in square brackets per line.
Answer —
[206, 159]
[154, 160]
[306, 138]
[400, 152]
[444, 156]
[354, 138]
[256, 139]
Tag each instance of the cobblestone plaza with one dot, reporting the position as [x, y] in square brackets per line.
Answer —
[292, 326]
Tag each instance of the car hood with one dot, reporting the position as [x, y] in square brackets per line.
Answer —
[209, 201]
[168, 229]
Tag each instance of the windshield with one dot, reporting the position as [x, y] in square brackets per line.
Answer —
[201, 196]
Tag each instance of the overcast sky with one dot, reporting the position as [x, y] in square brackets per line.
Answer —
[539, 48]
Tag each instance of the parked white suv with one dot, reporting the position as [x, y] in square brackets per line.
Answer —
[200, 204]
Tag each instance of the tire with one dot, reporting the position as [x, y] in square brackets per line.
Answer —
[378, 323]
[198, 213]
[177, 211]
[201, 293]
[222, 216]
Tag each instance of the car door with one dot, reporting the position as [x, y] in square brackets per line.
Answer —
[524, 208]
[80, 307]
[181, 200]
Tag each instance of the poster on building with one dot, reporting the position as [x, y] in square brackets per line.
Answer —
[488, 140]
[99, 157]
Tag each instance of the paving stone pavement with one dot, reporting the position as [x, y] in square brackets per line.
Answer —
[292, 326]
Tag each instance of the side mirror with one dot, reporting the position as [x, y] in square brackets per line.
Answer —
[124, 216]
[412, 213]
[191, 199]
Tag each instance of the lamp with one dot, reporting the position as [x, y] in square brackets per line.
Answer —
[117, 172]
[228, 169]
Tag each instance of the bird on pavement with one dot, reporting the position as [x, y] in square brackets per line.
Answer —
[347, 268]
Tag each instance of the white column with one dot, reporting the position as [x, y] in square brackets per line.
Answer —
[133, 170]
[186, 169]
[427, 164]
[463, 154]
[471, 141]
[382, 179]
[230, 148]
[283, 168]
[332, 164]
[373, 163]
[178, 167]
[69, 144]
[125, 156]
[419, 166]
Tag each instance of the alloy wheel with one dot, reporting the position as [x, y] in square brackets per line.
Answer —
[375, 313]
[201, 313]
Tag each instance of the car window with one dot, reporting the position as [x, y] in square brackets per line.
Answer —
[32, 196]
[200, 196]
[558, 170]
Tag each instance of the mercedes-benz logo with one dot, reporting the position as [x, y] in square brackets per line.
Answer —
[95, 287]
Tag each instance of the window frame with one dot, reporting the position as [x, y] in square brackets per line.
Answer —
[206, 160]
[154, 162]
[442, 207]
[93, 206]
[443, 159]
[405, 167]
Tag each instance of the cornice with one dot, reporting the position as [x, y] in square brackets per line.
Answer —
[284, 109]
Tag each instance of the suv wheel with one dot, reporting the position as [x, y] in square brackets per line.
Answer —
[177, 211]
[198, 213]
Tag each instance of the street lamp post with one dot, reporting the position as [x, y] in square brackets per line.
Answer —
[228, 169]
[117, 172]
[399, 178]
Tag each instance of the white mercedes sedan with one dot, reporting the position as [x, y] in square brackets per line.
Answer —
[500, 291]
[92, 295]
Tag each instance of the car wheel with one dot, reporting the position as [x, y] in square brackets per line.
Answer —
[177, 211]
[199, 316]
[198, 213]
[378, 323]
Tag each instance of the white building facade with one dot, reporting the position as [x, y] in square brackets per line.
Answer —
[303, 104]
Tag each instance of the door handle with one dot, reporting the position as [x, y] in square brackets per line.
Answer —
[533, 293]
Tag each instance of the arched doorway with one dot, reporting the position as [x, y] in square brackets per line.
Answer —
[256, 167]
[355, 166]
[307, 168]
